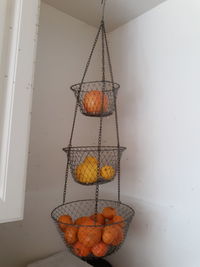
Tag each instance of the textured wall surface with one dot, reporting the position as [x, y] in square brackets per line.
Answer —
[157, 60]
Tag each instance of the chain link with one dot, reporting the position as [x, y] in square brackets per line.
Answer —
[116, 115]
[101, 120]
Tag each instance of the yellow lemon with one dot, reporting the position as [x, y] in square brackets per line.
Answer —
[107, 172]
[90, 160]
[79, 171]
[87, 173]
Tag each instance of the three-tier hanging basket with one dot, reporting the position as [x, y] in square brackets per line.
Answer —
[94, 228]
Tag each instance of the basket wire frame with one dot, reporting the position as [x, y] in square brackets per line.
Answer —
[84, 164]
[90, 97]
[81, 208]
[103, 95]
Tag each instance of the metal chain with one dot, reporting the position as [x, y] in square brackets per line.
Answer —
[101, 121]
[103, 2]
[75, 113]
[116, 115]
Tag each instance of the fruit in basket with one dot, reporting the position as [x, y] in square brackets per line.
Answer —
[64, 220]
[89, 234]
[87, 173]
[120, 236]
[81, 220]
[110, 234]
[98, 217]
[80, 250]
[79, 170]
[94, 100]
[118, 219]
[90, 160]
[100, 249]
[107, 222]
[109, 212]
[107, 172]
[71, 234]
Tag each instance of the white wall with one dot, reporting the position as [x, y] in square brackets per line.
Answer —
[3, 13]
[156, 59]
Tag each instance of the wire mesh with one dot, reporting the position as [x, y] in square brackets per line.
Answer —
[84, 162]
[88, 240]
[91, 98]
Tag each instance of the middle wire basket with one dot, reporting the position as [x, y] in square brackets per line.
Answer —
[90, 165]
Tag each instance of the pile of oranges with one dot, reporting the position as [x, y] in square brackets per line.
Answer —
[93, 235]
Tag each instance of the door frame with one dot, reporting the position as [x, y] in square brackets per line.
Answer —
[17, 79]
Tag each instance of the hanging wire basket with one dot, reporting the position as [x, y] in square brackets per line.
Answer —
[91, 164]
[96, 98]
[100, 237]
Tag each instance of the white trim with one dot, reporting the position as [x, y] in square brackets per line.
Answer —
[10, 77]
[18, 88]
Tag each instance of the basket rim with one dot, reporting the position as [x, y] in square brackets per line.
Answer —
[93, 148]
[85, 200]
[116, 86]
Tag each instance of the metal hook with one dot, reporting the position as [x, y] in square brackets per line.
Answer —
[103, 2]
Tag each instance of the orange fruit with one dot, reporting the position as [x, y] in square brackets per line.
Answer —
[107, 172]
[71, 234]
[64, 220]
[80, 250]
[92, 102]
[81, 220]
[109, 213]
[120, 236]
[109, 222]
[119, 219]
[91, 235]
[110, 233]
[90, 160]
[87, 173]
[100, 249]
[98, 217]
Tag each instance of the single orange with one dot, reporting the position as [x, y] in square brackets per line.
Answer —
[81, 220]
[109, 234]
[95, 101]
[100, 249]
[119, 219]
[109, 212]
[120, 237]
[89, 234]
[64, 220]
[108, 222]
[98, 217]
[80, 250]
[71, 234]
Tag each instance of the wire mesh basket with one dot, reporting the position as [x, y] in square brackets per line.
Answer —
[88, 236]
[96, 98]
[90, 164]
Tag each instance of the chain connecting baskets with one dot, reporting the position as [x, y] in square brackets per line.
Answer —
[94, 228]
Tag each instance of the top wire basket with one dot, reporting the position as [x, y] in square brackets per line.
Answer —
[96, 98]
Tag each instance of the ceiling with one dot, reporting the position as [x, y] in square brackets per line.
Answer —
[118, 12]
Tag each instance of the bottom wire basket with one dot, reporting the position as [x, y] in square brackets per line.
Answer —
[89, 235]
